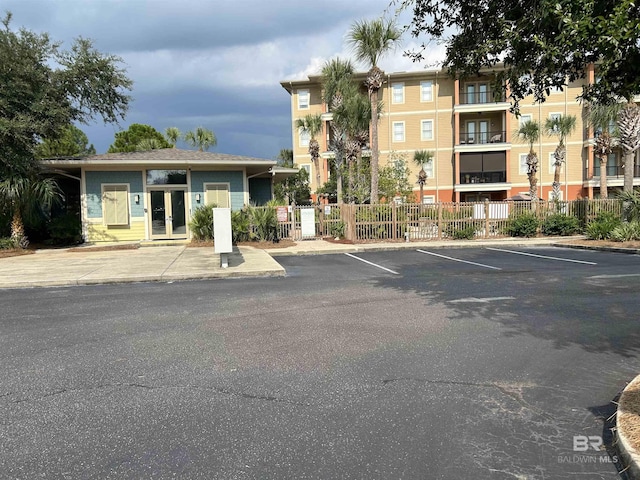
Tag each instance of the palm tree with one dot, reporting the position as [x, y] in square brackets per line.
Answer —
[420, 157]
[562, 126]
[147, 144]
[370, 41]
[201, 138]
[173, 134]
[629, 130]
[312, 124]
[336, 79]
[529, 132]
[601, 117]
[353, 116]
[23, 194]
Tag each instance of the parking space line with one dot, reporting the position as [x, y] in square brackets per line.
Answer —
[372, 264]
[459, 260]
[623, 275]
[515, 252]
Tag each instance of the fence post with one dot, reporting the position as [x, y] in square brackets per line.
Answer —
[486, 218]
[439, 220]
[394, 220]
[293, 221]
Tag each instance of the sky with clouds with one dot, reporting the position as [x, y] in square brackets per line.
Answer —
[212, 63]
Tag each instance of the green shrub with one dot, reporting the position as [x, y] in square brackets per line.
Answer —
[560, 224]
[65, 230]
[201, 223]
[7, 244]
[602, 226]
[337, 229]
[465, 233]
[523, 225]
[630, 205]
[240, 226]
[626, 232]
[265, 223]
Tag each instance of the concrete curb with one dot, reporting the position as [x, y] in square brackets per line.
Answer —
[630, 455]
[632, 251]
[373, 247]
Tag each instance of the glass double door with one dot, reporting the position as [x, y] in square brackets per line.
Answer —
[168, 213]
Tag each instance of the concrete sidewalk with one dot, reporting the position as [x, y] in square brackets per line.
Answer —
[88, 265]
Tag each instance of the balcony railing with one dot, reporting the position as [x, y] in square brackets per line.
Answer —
[479, 97]
[483, 177]
[615, 171]
[478, 138]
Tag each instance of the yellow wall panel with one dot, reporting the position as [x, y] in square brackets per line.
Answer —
[97, 232]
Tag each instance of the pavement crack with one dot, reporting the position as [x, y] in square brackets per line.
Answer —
[219, 390]
[512, 391]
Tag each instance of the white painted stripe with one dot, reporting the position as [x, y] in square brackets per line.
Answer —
[541, 256]
[372, 264]
[616, 276]
[481, 300]
[458, 260]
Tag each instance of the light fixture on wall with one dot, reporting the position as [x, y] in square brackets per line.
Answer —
[197, 197]
[137, 199]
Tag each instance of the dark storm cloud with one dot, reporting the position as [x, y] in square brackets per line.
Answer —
[136, 25]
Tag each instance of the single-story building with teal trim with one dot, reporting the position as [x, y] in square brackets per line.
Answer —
[152, 195]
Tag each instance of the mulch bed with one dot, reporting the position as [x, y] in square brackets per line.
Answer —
[15, 252]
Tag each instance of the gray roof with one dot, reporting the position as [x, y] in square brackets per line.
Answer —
[162, 156]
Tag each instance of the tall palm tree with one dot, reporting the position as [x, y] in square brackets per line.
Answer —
[370, 41]
[629, 131]
[420, 158]
[312, 124]
[601, 117]
[173, 134]
[336, 79]
[201, 138]
[353, 116]
[530, 132]
[23, 193]
[562, 126]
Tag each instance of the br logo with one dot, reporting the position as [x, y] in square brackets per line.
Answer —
[582, 443]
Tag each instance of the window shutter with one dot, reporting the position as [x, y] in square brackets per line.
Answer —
[115, 204]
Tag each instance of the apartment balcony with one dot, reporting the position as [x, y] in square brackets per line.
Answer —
[615, 171]
[482, 172]
[480, 99]
[483, 141]
[615, 176]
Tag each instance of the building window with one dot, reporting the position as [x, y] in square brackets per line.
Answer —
[426, 91]
[554, 117]
[166, 177]
[398, 131]
[303, 99]
[115, 204]
[524, 168]
[304, 137]
[217, 193]
[550, 196]
[524, 119]
[397, 90]
[428, 168]
[552, 163]
[306, 167]
[426, 130]
[428, 199]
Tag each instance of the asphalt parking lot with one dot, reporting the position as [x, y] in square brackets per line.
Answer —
[443, 363]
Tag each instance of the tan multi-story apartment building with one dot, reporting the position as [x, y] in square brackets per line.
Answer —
[477, 152]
